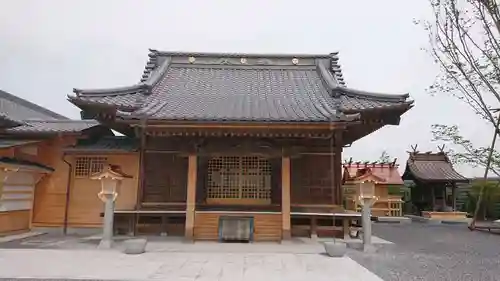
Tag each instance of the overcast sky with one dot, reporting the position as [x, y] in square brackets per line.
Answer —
[49, 47]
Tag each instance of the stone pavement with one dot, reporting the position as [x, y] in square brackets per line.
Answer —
[265, 262]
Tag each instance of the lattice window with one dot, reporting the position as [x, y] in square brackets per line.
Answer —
[87, 166]
[239, 177]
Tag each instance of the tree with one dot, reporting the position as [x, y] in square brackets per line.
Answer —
[464, 41]
[488, 206]
[463, 150]
[464, 38]
[384, 157]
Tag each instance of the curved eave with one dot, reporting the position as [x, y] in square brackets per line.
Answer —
[397, 107]
[413, 172]
[85, 104]
[155, 73]
[109, 91]
[373, 96]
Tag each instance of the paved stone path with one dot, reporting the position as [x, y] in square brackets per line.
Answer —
[178, 266]
[420, 252]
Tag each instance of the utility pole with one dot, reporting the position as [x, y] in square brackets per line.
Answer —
[472, 225]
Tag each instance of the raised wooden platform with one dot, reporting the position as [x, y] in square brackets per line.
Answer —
[266, 225]
[14, 221]
[445, 215]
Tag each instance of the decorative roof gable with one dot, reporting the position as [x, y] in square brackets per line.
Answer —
[382, 173]
[239, 87]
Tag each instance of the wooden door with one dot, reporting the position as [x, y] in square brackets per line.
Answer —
[165, 178]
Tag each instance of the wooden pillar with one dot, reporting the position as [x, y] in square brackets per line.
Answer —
[191, 196]
[285, 198]
[433, 198]
[142, 178]
[142, 154]
[336, 166]
[444, 197]
[337, 177]
[454, 197]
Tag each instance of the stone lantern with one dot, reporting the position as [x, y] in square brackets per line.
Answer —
[366, 191]
[111, 178]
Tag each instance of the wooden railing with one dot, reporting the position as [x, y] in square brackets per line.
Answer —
[391, 206]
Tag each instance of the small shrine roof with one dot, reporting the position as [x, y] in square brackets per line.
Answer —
[385, 173]
[431, 167]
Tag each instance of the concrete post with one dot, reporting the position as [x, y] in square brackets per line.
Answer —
[107, 233]
[366, 223]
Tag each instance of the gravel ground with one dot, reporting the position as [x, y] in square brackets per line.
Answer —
[433, 252]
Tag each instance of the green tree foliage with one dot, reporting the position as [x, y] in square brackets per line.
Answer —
[384, 157]
[463, 151]
[490, 198]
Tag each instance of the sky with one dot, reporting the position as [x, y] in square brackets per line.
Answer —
[49, 47]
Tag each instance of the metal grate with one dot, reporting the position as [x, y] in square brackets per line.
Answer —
[239, 177]
[235, 229]
[87, 166]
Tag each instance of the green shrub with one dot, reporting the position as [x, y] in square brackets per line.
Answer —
[490, 201]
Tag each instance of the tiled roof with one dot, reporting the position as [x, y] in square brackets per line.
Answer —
[431, 167]
[11, 143]
[240, 87]
[25, 165]
[7, 122]
[105, 144]
[21, 116]
[17, 108]
[388, 172]
[53, 126]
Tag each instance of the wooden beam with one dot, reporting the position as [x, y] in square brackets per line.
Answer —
[285, 198]
[266, 126]
[191, 196]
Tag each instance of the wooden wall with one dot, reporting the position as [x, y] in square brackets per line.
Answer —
[16, 202]
[267, 227]
[50, 192]
[14, 221]
[85, 207]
